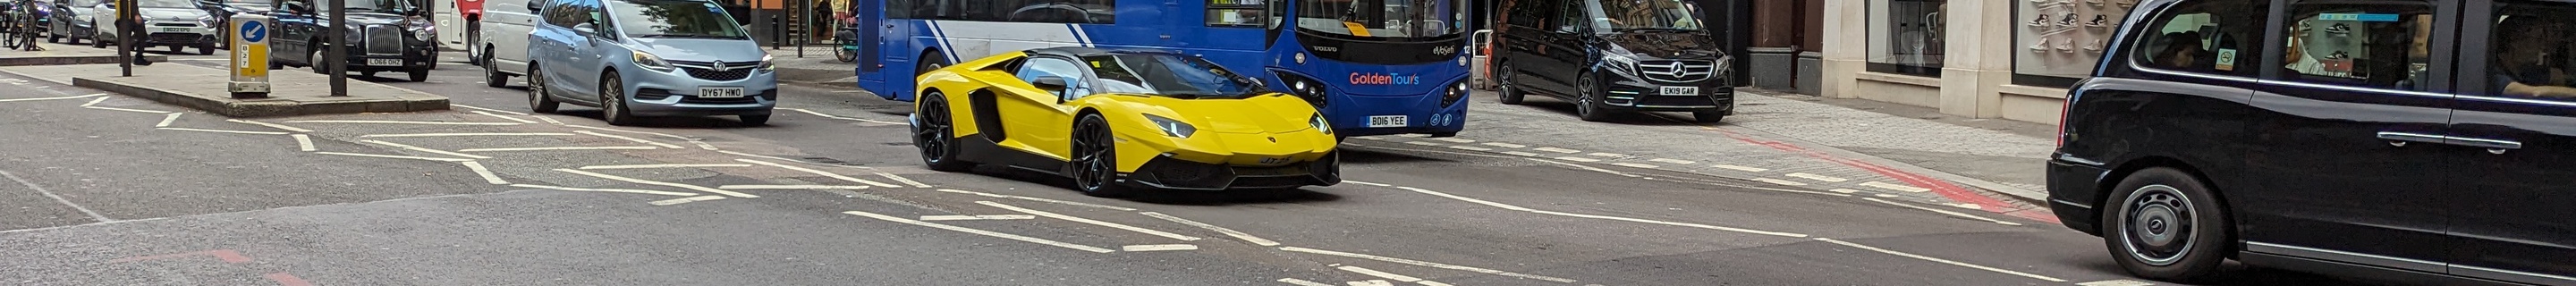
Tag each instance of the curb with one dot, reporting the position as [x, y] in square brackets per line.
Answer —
[73, 60]
[230, 107]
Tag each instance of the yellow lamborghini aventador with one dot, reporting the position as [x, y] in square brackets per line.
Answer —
[1112, 119]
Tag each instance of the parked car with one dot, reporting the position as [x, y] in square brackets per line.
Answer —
[504, 52]
[71, 21]
[1117, 119]
[224, 10]
[383, 36]
[177, 24]
[2418, 141]
[39, 11]
[1649, 55]
[649, 58]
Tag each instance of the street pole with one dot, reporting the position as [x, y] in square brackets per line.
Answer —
[338, 51]
[125, 37]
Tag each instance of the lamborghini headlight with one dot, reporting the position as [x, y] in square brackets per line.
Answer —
[1174, 128]
[1320, 124]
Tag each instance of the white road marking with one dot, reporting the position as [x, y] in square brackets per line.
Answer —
[1634, 165]
[418, 148]
[1557, 150]
[819, 172]
[843, 117]
[1682, 224]
[1379, 274]
[786, 159]
[1073, 203]
[701, 144]
[1779, 182]
[1422, 143]
[395, 157]
[684, 200]
[633, 191]
[560, 148]
[1526, 154]
[1425, 264]
[223, 131]
[271, 125]
[57, 198]
[1246, 237]
[1504, 145]
[790, 187]
[901, 179]
[94, 102]
[1741, 168]
[1672, 161]
[658, 183]
[981, 232]
[976, 217]
[547, 119]
[1578, 159]
[1370, 282]
[636, 140]
[1742, 186]
[166, 120]
[464, 134]
[1090, 221]
[1968, 206]
[1454, 140]
[1818, 177]
[659, 166]
[487, 109]
[1467, 199]
[1607, 154]
[1896, 187]
[1886, 195]
[497, 115]
[1301, 282]
[1158, 247]
[1946, 212]
[1846, 191]
[1590, 168]
[303, 142]
[1929, 258]
[52, 98]
[1367, 183]
[1369, 138]
[130, 109]
[402, 122]
[1414, 135]
[487, 174]
[1431, 283]
[1430, 151]
[1470, 148]
[2122, 282]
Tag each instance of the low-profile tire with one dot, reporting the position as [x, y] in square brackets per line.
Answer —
[418, 75]
[1587, 102]
[1095, 158]
[539, 99]
[2164, 224]
[612, 101]
[1509, 94]
[1708, 116]
[934, 133]
[755, 120]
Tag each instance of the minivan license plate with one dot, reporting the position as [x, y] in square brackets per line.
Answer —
[177, 30]
[719, 92]
[1386, 121]
[1681, 90]
[385, 62]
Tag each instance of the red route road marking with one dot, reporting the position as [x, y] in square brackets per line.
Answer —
[228, 255]
[1944, 188]
[288, 279]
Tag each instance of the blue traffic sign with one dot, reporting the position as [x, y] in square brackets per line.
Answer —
[253, 31]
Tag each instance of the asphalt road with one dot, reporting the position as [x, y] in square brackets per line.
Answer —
[113, 190]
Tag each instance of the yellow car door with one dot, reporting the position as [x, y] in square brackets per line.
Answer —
[1040, 121]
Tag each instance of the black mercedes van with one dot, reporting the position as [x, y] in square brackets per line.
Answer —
[1610, 56]
[2410, 140]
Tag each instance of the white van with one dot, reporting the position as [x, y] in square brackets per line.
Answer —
[504, 48]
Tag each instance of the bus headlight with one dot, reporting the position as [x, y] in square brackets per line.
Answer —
[1451, 95]
[1313, 91]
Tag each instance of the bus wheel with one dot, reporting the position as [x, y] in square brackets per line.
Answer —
[928, 61]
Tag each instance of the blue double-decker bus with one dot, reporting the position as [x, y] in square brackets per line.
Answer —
[1375, 67]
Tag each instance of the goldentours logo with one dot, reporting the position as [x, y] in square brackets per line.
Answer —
[1384, 79]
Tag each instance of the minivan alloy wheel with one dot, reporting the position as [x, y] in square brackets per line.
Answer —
[612, 101]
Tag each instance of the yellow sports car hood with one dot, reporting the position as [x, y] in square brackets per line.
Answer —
[1258, 114]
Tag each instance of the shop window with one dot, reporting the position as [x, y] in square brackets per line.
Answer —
[1907, 36]
[2208, 37]
[2059, 42]
[2531, 49]
[2360, 45]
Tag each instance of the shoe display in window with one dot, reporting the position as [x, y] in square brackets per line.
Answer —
[2066, 46]
[2041, 47]
[2096, 46]
[2041, 22]
[2099, 21]
[2068, 21]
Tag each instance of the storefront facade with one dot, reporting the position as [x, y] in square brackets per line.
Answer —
[1983, 59]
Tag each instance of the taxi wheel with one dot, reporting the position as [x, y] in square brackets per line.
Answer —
[419, 75]
[1095, 158]
[2163, 224]
[933, 133]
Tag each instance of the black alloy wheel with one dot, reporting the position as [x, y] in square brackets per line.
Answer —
[1095, 158]
[1510, 94]
[1587, 101]
[934, 134]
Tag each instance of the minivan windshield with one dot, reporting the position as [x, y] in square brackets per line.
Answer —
[1168, 75]
[1624, 15]
[674, 19]
[185, 4]
[1383, 18]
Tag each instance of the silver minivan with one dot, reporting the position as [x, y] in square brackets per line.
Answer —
[636, 58]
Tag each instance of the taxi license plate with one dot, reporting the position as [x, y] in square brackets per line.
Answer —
[719, 92]
[1680, 90]
[1387, 121]
[178, 30]
[385, 62]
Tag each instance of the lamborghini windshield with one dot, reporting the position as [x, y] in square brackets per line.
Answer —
[1168, 75]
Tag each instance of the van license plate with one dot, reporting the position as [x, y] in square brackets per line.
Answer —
[719, 92]
[1386, 121]
[385, 62]
[1681, 90]
[178, 30]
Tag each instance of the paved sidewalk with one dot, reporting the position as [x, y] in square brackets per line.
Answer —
[292, 92]
[2013, 153]
[60, 54]
[817, 66]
